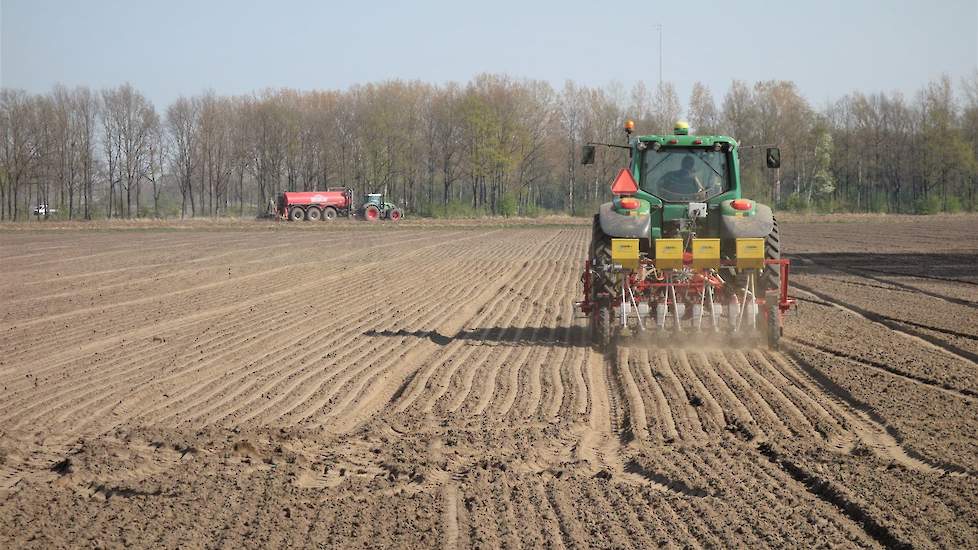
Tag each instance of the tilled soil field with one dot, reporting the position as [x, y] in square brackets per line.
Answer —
[423, 386]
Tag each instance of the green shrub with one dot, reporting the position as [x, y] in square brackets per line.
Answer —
[927, 205]
[589, 208]
[456, 209]
[508, 206]
[826, 206]
[954, 205]
[797, 203]
[877, 203]
[533, 211]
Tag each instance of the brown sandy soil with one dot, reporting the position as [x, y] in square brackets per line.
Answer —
[247, 224]
[251, 384]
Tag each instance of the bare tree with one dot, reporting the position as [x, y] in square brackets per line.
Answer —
[21, 151]
[156, 164]
[111, 144]
[216, 163]
[704, 118]
[969, 125]
[183, 126]
[447, 137]
[86, 112]
[739, 114]
[495, 143]
[268, 138]
[572, 115]
[65, 156]
[666, 108]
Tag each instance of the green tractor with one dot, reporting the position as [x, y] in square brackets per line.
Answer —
[374, 208]
[679, 253]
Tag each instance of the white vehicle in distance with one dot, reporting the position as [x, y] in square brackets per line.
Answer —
[44, 210]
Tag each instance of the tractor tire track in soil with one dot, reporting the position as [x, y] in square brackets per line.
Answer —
[964, 393]
[896, 326]
[412, 386]
[827, 492]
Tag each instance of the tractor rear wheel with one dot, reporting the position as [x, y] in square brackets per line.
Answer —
[371, 213]
[773, 328]
[600, 254]
[602, 287]
[772, 251]
[296, 214]
[395, 214]
[601, 326]
[313, 214]
[329, 213]
[769, 279]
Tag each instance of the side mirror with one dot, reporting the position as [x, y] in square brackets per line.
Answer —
[773, 157]
[587, 154]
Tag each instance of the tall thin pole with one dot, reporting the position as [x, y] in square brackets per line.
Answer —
[659, 28]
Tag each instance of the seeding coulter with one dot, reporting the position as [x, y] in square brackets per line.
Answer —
[679, 252]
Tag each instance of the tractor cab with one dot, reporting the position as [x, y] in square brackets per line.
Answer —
[682, 168]
[676, 174]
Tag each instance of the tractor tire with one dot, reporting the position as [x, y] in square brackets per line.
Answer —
[772, 251]
[313, 214]
[601, 327]
[770, 278]
[602, 288]
[371, 213]
[600, 254]
[329, 213]
[296, 214]
[395, 214]
[773, 325]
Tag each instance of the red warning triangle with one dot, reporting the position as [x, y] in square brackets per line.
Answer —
[624, 183]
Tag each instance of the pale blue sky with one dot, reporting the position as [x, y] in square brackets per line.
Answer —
[171, 47]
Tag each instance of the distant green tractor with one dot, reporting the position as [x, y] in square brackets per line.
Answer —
[679, 250]
[374, 208]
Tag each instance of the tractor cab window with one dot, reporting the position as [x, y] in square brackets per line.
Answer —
[684, 174]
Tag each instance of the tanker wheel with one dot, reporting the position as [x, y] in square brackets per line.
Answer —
[371, 213]
[772, 251]
[329, 213]
[296, 214]
[314, 214]
[395, 214]
[773, 325]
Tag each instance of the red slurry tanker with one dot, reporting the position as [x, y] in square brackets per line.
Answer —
[315, 205]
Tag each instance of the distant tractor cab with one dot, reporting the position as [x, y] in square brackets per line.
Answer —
[678, 251]
[374, 208]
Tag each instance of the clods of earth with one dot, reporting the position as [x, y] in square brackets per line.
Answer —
[431, 386]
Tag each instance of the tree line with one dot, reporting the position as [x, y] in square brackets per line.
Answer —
[495, 145]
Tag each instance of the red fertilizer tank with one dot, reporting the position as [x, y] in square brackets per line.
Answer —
[315, 205]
